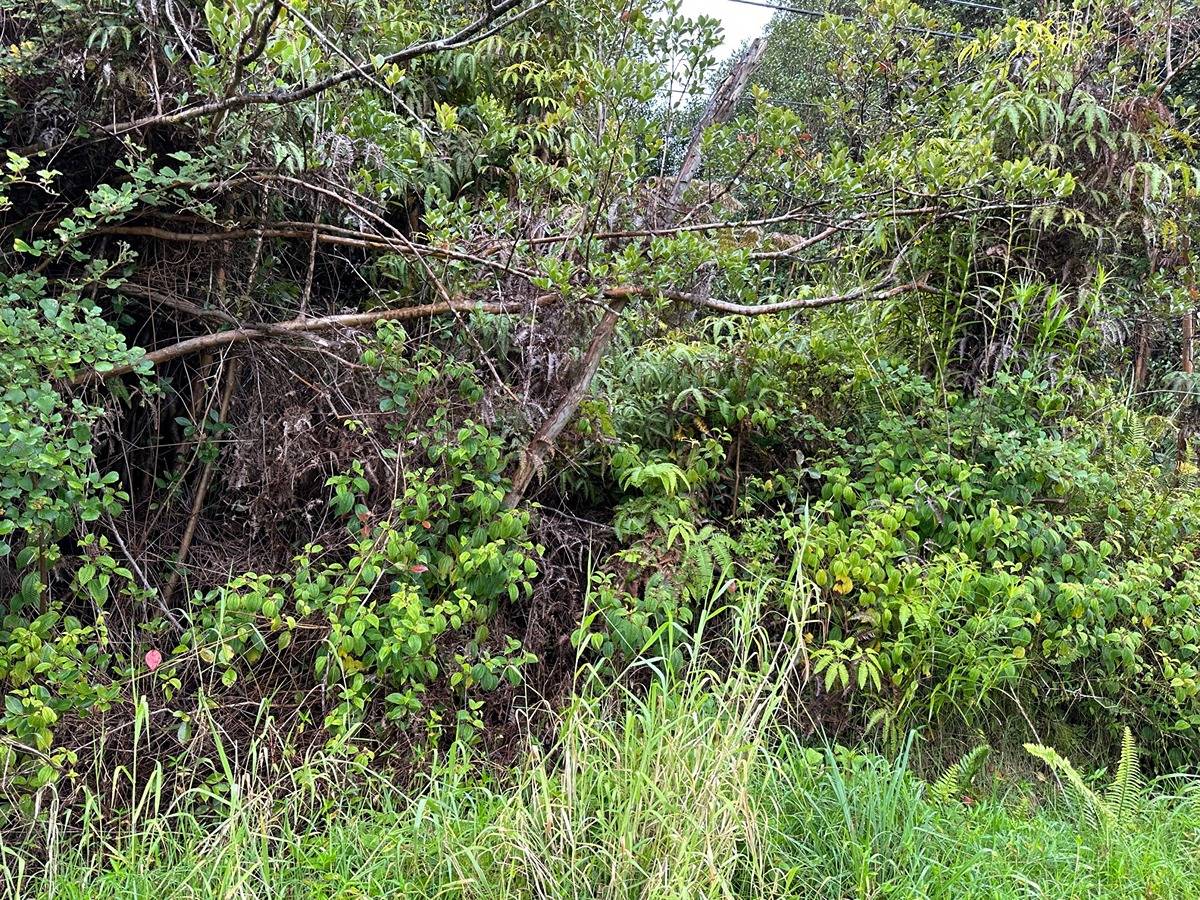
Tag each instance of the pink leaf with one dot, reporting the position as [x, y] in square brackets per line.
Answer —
[153, 660]
[418, 569]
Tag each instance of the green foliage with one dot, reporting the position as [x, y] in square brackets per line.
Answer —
[967, 550]
[946, 552]
[642, 793]
[56, 667]
[944, 496]
[1124, 795]
[430, 568]
[52, 667]
[955, 782]
[1121, 803]
[48, 484]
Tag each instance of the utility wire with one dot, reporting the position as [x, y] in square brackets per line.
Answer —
[972, 3]
[975, 5]
[818, 14]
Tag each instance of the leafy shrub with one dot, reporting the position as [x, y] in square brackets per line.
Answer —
[441, 561]
[975, 549]
[402, 602]
[409, 602]
[950, 554]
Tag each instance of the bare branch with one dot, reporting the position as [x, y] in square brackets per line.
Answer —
[189, 532]
[878, 292]
[533, 455]
[304, 326]
[720, 108]
[325, 234]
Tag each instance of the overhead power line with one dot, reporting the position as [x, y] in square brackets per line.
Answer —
[812, 12]
[819, 14]
[975, 5]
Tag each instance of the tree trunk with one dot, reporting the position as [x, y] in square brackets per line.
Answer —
[720, 108]
[1188, 327]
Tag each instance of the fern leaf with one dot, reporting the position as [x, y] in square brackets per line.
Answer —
[1124, 795]
[1094, 806]
[956, 780]
[724, 548]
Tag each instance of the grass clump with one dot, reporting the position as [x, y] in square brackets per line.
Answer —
[686, 788]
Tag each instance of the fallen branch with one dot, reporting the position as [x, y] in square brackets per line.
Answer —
[878, 292]
[533, 455]
[189, 532]
[802, 214]
[180, 304]
[324, 233]
[307, 326]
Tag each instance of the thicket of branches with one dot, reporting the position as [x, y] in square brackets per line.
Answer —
[349, 346]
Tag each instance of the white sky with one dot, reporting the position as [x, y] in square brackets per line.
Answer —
[739, 20]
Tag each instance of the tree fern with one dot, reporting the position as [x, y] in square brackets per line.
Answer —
[956, 780]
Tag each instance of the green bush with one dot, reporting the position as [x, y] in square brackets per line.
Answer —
[985, 547]
[949, 555]
[440, 561]
[403, 602]
[408, 602]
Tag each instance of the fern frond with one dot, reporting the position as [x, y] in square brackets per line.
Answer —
[1094, 806]
[724, 549]
[1138, 432]
[697, 571]
[956, 780]
[1124, 795]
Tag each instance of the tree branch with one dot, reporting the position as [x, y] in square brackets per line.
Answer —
[533, 455]
[479, 30]
[720, 108]
[302, 326]
[325, 234]
[189, 532]
[878, 292]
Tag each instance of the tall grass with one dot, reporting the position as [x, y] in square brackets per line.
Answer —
[686, 787]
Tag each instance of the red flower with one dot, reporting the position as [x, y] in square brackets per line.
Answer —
[153, 660]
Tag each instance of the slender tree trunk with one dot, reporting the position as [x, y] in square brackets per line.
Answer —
[189, 532]
[1141, 357]
[1189, 328]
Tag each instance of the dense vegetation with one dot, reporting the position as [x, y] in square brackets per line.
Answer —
[692, 790]
[508, 403]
